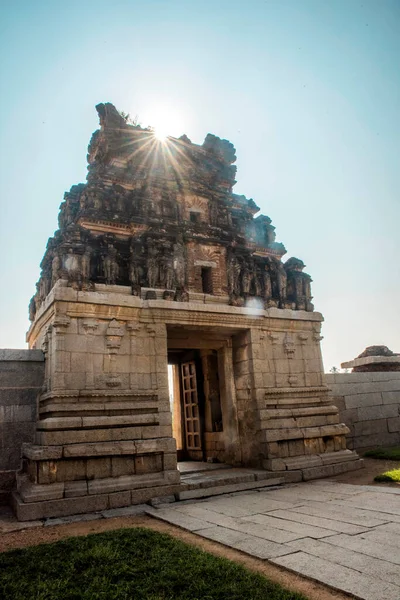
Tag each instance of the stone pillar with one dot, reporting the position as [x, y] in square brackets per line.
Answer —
[233, 450]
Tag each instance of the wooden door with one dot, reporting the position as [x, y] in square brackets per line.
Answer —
[191, 416]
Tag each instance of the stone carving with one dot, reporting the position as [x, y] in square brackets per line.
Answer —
[181, 295]
[134, 271]
[281, 280]
[110, 265]
[299, 284]
[289, 345]
[153, 269]
[55, 269]
[166, 272]
[179, 262]
[233, 272]
[32, 308]
[85, 266]
[130, 224]
[267, 283]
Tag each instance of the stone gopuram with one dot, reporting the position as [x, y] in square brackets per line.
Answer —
[171, 330]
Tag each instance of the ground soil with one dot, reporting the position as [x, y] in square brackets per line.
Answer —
[311, 589]
[365, 476]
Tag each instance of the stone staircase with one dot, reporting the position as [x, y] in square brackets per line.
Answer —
[203, 480]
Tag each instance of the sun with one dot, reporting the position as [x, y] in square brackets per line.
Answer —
[161, 133]
[166, 121]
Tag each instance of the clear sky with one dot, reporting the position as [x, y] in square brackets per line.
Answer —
[307, 90]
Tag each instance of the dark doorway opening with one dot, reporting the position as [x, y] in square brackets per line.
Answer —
[206, 280]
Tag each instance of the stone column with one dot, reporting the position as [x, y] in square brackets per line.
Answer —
[233, 452]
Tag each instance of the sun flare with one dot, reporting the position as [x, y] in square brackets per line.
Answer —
[161, 133]
[165, 121]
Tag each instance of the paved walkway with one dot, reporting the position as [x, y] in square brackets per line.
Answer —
[345, 536]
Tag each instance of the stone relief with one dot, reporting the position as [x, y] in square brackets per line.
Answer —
[131, 224]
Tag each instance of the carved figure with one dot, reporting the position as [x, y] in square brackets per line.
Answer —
[32, 308]
[246, 279]
[72, 266]
[179, 264]
[181, 295]
[153, 272]
[257, 281]
[267, 283]
[85, 265]
[233, 272]
[166, 272]
[110, 265]
[55, 269]
[281, 278]
[43, 287]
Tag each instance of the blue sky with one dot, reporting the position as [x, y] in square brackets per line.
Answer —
[307, 90]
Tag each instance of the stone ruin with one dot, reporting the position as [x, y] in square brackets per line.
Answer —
[373, 359]
[171, 329]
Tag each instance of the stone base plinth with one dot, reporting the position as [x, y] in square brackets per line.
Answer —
[104, 435]
[303, 468]
[62, 507]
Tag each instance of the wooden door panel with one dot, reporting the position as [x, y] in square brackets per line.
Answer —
[191, 411]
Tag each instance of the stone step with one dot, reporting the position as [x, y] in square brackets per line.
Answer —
[223, 481]
[223, 476]
[228, 488]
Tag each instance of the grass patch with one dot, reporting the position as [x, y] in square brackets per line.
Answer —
[129, 564]
[393, 475]
[384, 453]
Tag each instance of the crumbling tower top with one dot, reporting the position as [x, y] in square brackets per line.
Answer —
[162, 218]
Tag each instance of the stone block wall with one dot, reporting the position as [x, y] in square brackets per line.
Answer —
[369, 404]
[21, 378]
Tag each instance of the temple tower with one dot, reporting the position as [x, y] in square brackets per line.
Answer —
[172, 330]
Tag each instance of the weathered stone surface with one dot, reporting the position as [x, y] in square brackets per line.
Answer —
[254, 546]
[339, 577]
[380, 569]
[371, 548]
[141, 275]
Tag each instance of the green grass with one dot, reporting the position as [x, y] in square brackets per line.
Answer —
[128, 564]
[384, 453]
[393, 475]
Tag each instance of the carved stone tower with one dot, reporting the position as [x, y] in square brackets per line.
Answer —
[172, 330]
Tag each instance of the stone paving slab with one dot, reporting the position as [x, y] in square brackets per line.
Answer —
[342, 514]
[374, 501]
[301, 529]
[368, 547]
[374, 567]
[246, 543]
[339, 577]
[345, 536]
[383, 537]
[245, 506]
[336, 526]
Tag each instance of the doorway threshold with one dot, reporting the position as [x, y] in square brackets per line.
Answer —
[194, 466]
[222, 479]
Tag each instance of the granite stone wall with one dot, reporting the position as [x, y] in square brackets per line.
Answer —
[369, 404]
[21, 378]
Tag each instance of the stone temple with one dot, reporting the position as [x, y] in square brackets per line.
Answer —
[172, 331]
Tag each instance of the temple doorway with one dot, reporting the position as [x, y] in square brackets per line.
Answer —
[202, 395]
